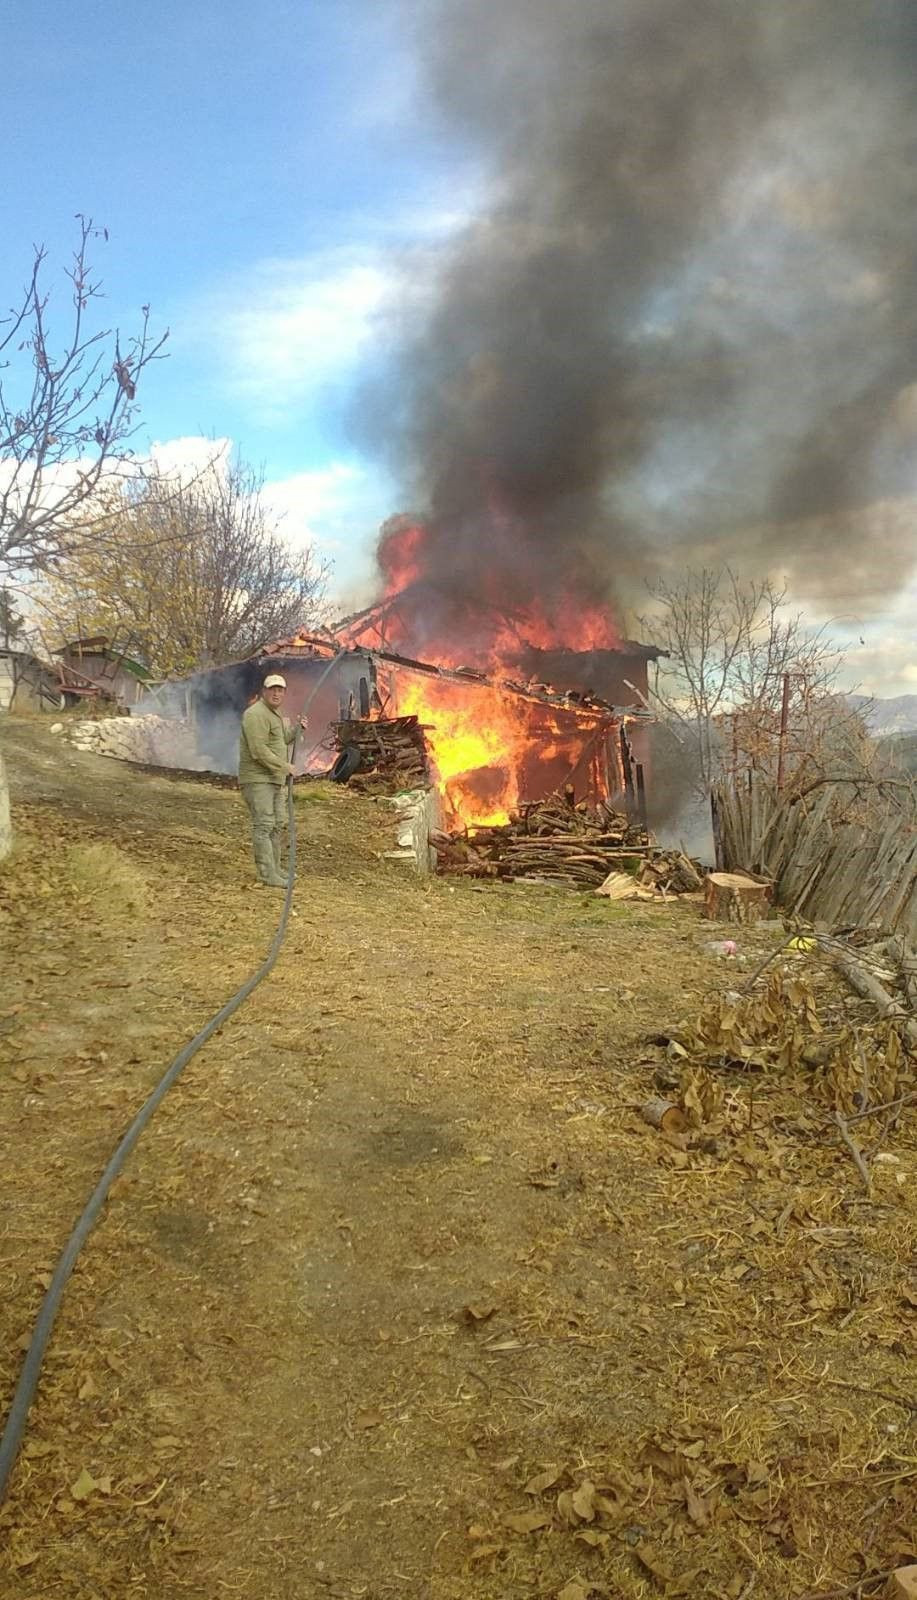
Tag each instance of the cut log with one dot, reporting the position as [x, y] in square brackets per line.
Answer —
[664, 1115]
[735, 897]
[902, 1585]
[869, 988]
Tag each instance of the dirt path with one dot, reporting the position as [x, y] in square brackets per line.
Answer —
[397, 1242]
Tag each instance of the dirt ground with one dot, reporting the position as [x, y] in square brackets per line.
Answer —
[399, 1296]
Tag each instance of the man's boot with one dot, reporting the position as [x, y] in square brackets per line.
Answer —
[264, 860]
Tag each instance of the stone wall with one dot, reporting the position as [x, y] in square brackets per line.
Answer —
[155, 741]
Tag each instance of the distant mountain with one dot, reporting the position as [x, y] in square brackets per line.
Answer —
[884, 717]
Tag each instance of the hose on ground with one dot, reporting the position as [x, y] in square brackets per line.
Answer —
[24, 1394]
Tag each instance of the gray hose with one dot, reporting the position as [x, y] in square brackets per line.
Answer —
[44, 1322]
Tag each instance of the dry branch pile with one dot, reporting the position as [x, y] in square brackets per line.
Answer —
[393, 753]
[858, 1066]
[558, 841]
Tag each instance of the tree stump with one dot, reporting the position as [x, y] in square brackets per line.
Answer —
[736, 897]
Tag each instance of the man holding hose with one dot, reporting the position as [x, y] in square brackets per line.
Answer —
[264, 767]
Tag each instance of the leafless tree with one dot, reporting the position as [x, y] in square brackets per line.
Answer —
[67, 407]
[187, 574]
[745, 683]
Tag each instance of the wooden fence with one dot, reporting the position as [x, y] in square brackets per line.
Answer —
[825, 867]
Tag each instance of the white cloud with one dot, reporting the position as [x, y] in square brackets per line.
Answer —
[312, 505]
[301, 327]
[189, 455]
[286, 329]
[336, 507]
[305, 495]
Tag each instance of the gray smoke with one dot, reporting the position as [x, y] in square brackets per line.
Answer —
[687, 323]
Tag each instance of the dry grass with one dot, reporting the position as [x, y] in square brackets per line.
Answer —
[399, 1250]
[107, 877]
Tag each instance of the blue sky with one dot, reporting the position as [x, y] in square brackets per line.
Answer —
[258, 166]
[255, 165]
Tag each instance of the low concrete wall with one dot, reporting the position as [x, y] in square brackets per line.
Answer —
[418, 815]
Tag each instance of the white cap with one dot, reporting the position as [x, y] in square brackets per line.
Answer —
[274, 682]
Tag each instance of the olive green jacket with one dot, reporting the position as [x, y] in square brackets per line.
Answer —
[263, 747]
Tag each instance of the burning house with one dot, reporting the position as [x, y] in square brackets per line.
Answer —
[563, 696]
[483, 717]
[485, 742]
[489, 703]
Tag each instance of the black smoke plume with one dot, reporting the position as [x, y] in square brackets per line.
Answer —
[685, 323]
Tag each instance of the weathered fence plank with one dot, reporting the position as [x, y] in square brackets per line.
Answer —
[824, 866]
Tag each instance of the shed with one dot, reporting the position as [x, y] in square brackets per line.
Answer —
[94, 666]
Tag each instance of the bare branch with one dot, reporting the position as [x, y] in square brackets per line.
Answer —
[731, 645]
[67, 409]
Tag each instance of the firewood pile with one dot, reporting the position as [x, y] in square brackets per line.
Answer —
[393, 753]
[557, 841]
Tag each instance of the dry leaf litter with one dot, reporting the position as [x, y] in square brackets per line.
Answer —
[401, 1295]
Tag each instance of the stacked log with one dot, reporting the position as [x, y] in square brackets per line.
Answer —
[555, 841]
[393, 753]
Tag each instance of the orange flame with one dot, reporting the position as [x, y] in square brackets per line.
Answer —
[492, 749]
[488, 628]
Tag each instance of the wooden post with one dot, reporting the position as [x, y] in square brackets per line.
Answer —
[784, 720]
[596, 776]
[628, 773]
[605, 768]
[719, 854]
[641, 795]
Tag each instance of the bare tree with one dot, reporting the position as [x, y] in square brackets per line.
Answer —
[67, 407]
[186, 575]
[745, 683]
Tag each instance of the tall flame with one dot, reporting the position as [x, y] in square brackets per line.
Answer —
[485, 622]
[492, 746]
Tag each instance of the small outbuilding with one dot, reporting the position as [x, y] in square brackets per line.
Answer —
[92, 667]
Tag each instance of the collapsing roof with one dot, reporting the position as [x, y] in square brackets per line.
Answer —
[320, 646]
